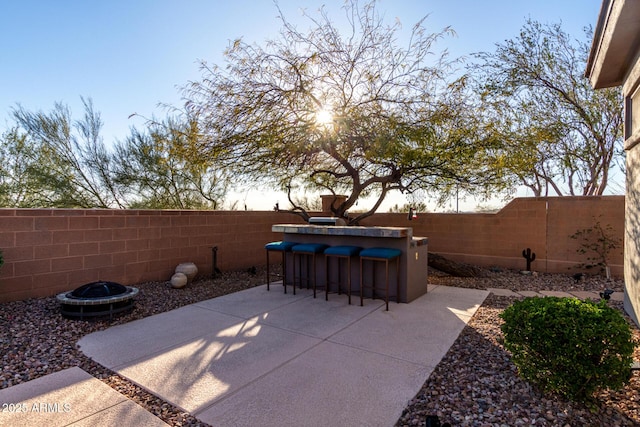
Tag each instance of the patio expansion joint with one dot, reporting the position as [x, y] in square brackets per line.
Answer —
[284, 304]
[321, 341]
[258, 378]
[330, 340]
[108, 408]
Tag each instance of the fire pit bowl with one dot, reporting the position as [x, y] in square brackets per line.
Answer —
[97, 299]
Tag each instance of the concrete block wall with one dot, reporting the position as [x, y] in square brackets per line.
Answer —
[47, 251]
[543, 224]
[565, 216]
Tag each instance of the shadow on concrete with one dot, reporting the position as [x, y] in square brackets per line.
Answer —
[274, 359]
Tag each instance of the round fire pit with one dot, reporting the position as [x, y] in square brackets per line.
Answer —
[97, 299]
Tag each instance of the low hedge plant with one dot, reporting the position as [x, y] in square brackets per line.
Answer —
[567, 346]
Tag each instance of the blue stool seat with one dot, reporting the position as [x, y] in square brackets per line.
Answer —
[343, 250]
[340, 252]
[282, 247]
[381, 253]
[306, 250]
[309, 248]
[385, 255]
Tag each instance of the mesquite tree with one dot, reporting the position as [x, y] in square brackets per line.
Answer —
[355, 113]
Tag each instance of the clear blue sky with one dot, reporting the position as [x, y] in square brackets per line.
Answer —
[129, 56]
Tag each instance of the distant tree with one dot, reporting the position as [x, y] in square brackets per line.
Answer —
[16, 159]
[352, 113]
[566, 134]
[159, 169]
[50, 160]
[65, 162]
[417, 207]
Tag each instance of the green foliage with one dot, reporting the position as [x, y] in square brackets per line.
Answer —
[570, 347]
[597, 242]
[48, 159]
[58, 161]
[161, 168]
[534, 92]
[403, 118]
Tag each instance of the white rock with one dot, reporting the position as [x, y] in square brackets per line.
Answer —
[189, 269]
[179, 280]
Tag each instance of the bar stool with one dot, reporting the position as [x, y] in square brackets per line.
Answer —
[306, 251]
[385, 255]
[340, 252]
[283, 248]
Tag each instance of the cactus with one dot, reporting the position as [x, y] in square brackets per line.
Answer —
[529, 256]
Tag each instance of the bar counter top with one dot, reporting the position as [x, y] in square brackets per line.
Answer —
[337, 230]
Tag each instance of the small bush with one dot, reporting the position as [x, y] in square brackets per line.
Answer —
[567, 346]
[597, 243]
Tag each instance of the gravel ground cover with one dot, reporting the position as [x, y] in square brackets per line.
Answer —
[474, 385]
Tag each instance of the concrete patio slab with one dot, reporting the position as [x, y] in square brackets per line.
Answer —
[617, 296]
[530, 294]
[139, 339]
[71, 397]
[558, 294]
[420, 332]
[195, 374]
[330, 385]
[585, 295]
[321, 318]
[254, 301]
[276, 359]
[503, 292]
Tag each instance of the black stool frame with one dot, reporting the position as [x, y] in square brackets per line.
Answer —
[284, 269]
[373, 279]
[339, 258]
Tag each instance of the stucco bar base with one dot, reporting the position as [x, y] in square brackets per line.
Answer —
[413, 261]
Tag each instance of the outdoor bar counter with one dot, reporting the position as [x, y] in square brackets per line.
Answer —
[413, 261]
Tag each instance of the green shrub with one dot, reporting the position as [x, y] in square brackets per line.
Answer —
[567, 346]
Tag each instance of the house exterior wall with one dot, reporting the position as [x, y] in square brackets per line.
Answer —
[614, 61]
[632, 235]
[47, 251]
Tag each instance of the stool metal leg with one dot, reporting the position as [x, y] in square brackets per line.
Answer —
[361, 284]
[268, 274]
[313, 261]
[338, 258]
[284, 270]
[398, 280]
[348, 280]
[386, 294]
[293, 283]
[326, 273]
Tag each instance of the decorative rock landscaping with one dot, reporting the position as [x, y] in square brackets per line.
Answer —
[474, 385]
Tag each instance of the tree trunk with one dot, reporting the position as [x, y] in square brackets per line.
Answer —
[458, 269]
